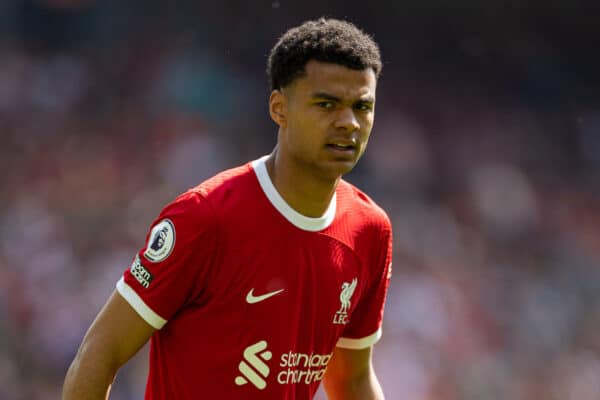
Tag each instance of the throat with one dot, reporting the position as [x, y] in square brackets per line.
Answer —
[309, 197]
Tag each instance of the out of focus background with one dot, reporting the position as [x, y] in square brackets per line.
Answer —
[485, 153]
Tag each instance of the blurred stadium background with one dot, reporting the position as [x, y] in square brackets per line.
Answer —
[485, 152]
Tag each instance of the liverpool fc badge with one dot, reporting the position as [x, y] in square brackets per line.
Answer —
[341, 316]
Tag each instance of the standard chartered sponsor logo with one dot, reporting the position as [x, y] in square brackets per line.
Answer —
[302, 368]
[295, 368]
[254, 356]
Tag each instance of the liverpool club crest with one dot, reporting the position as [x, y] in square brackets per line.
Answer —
[341, 316]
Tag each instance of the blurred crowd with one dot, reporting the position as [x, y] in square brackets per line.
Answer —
[485, 153]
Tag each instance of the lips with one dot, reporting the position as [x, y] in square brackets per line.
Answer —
[338, 146]
[342, 147]
[342, 144]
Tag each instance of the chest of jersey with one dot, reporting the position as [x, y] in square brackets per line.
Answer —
[289, 282]
[277, 307]
[257, 297]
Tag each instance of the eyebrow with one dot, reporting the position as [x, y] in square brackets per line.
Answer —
[327, 96]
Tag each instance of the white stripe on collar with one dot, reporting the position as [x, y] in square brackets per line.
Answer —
[297, 219]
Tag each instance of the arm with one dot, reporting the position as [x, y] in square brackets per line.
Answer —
[116, 334]
[350, 376]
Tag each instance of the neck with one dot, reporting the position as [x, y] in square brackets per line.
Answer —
[306, 194]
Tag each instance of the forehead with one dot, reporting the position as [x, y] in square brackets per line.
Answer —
[336, 80]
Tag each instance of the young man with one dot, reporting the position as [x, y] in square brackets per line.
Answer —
[270, 277]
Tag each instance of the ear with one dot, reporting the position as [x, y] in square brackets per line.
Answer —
[278, 108]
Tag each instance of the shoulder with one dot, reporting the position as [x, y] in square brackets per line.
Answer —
[232, 177]
[356, 206]
[200, 204]
[234, 184]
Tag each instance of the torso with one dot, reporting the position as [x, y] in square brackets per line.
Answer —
[279, 293]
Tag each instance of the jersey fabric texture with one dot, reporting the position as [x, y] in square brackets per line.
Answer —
[249, 297]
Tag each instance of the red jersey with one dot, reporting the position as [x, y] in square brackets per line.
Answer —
[249, 297]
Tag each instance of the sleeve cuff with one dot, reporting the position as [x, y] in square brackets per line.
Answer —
[135, 301]
[361, 343]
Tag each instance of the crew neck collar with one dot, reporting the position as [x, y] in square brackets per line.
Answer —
[299, 220]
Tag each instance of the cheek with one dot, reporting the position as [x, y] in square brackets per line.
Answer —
[308, 124]
[368, 121]
[365, 141]
[366, 126]
[301, 119]
[300, 132]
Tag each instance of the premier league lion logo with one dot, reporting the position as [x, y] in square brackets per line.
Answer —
[161, 241]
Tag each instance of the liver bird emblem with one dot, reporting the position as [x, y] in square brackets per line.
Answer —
[346, 295]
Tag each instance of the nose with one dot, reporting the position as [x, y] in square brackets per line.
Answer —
[346, 119]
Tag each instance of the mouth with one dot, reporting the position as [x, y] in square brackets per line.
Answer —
[342, 149]
[339, 146]
[342, 143]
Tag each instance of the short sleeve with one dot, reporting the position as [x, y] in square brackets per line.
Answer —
[364, 328]
[172, 268]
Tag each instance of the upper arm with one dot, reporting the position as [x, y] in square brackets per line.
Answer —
[172, 270]
[348, 364]
[117, 333]
[365, 321]
[163, 276]
[350, 376]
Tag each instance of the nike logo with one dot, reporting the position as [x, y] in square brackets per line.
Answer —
[251, 298]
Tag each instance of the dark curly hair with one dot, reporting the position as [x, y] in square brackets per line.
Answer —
[326, 40]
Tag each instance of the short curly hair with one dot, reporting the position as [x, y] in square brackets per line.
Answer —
[325, 40]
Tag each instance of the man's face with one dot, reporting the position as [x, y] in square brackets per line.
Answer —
[328, 118]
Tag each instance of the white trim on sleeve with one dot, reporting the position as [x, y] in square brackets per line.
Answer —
[362, 343]
[139, 306]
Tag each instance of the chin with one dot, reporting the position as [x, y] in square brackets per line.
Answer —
[336, 169]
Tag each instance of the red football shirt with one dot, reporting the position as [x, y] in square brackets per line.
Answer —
[249, 297]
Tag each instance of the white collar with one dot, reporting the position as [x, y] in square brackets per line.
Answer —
[297, 219]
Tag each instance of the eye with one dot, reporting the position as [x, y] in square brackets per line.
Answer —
[364, 106]
[325, 105]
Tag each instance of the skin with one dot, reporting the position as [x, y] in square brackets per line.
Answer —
[117, 333]
[329, 104]
[350, 376]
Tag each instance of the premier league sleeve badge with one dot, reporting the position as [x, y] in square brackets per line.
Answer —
[160, 242]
